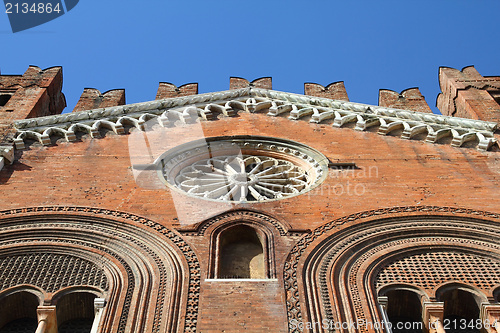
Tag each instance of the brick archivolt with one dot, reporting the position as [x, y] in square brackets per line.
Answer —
[332, 272]
[147, 271]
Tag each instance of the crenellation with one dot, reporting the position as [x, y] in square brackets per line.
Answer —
[169, 90]
[93, 99]
[468, 94]
[335, 90]
[409, 99]
[239, 83]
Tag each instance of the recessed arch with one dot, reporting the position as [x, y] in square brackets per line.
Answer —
[96, 292]
[478, 296]
[18, 309]
[242, 250]
[267, 229]
[404, 309]
[75, 312]
[241, 253]
[384, 291]
[130, 244]
[461, 303]
[342, 258]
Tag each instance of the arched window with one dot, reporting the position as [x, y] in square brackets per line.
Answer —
[18, 313]
[75, 312]
[460, 307]
[242, 253]
[404, 310]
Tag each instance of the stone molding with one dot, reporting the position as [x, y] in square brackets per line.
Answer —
[332, 239]
[189, 109]
[101, 221]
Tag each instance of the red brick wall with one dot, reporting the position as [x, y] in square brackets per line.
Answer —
[334, 90]
[97, 173]
[168, 90]
[409, 99]
[392, 172]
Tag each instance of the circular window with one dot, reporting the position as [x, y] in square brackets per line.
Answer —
[243, 168]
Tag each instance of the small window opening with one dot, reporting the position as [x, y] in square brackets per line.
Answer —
[18, 313]
[4, 98]
[241, 254]
[75, 313]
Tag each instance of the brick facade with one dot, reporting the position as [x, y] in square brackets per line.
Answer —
[334, 251]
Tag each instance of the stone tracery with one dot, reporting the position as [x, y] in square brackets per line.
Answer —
[243, 168]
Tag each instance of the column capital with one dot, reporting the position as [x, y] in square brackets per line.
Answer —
[383, 301]
[47, 314]
[99, 303]
[490, 317]
[433, 313]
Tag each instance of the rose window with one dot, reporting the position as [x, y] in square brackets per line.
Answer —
[243, 169]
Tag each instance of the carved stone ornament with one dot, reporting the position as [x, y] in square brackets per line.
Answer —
[243, 168]
[207, 107]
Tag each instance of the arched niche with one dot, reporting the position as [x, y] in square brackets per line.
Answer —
[404, 308]
[241, 253]
[462, 306]
[18, 312]
[331, 274]
[75, 312]
[242, 249]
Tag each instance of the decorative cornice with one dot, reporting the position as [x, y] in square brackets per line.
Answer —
[189, 109]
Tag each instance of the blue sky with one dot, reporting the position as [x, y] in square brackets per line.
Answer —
[370, 45]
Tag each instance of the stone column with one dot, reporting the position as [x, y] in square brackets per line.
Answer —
[433, 316]
[47, 320]
[382, 302]
[99, 304]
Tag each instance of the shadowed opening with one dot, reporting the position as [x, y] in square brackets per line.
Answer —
[4, 99]
[241, 254]
[75, 313]
[18, 313]
[404, 311]
[460, 311]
